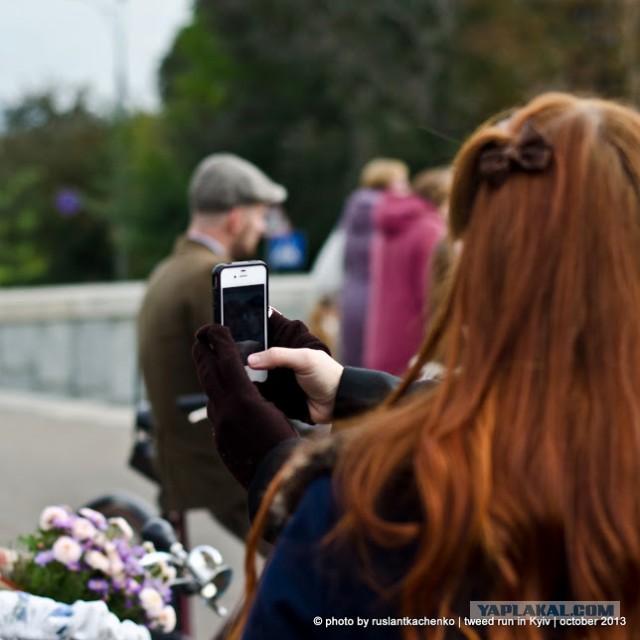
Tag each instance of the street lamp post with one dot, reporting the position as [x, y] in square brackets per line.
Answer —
[120, 146]
[120, 60]
[115, 15]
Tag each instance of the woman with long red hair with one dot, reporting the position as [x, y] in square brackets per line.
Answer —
[517, 478]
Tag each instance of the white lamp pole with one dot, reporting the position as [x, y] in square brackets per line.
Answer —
[115, 14]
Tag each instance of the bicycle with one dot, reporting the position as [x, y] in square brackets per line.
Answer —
[140, 513]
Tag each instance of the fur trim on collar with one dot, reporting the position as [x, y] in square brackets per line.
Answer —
[308, 462]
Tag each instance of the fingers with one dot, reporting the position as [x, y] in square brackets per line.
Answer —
[317, 373]
[300, 360]
[206, 368]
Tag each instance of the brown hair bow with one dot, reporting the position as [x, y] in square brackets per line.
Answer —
[531, 152]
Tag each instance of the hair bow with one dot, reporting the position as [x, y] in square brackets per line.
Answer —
[531, 152]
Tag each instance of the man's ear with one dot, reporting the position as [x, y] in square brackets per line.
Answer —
[235, 220]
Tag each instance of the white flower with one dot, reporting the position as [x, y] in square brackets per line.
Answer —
[97, 560]
[66, 550]
[168, 574]
[122, 526]
[148, 547]
[151, 601]
[53, 516]
[167, 619]
[99, 540]
[83, 529]
[116, 566]
[94, 516]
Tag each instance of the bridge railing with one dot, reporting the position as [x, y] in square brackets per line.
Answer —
[80, 341]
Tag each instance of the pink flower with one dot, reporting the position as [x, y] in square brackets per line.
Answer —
[54, 517]
[95, 517]
[66, 550]
[83, 529]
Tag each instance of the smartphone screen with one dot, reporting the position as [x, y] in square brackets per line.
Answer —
[243, 312]
[240, 298]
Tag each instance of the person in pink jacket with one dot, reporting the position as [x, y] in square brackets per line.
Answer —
[407, 227]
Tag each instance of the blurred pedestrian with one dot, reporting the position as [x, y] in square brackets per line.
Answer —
[342, 268]
[435, 186]
[228, 199]
[407, 227]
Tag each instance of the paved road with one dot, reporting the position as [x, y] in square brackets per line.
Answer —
[62, 452]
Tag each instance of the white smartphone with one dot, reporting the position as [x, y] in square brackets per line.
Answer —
[240, 302]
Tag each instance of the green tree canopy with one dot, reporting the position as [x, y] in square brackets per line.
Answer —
[307, 89]
[312, 89]
[53, 161]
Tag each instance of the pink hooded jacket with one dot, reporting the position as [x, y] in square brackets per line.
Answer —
[406, 231]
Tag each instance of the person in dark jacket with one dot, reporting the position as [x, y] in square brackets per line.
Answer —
[515, 478]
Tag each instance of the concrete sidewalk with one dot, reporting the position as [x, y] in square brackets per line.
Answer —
[58, 451]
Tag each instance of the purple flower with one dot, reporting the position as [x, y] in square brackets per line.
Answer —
[98, 585]
[132, 587]
[68, 202]
[44, 558]
[95, 517]
[118, 584]
[138, 551]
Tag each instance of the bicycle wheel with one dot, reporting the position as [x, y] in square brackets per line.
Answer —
[133, 509]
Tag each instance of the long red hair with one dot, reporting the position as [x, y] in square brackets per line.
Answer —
[528, 453]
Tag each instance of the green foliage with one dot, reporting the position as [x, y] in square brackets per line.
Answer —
[87, 557]
[56, 581]
[307, 89]
[156, 204]
[47, 148]
[310, 90]
[52, 581]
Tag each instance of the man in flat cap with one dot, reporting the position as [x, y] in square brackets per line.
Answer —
[228, 199]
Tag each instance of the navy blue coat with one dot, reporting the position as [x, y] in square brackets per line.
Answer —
[309, 591]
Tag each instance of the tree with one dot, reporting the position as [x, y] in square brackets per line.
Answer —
[156, 204]
[54, 161]
[309, 91]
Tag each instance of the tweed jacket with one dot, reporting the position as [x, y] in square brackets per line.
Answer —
[176, 304]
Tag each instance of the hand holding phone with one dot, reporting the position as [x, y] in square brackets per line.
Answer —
[246, 426]
[240, 302]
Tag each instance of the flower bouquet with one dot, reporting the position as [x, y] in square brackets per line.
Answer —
[85, 556]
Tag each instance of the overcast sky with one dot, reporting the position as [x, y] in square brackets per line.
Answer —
[72, 43]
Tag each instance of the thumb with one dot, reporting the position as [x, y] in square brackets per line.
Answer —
[299, 360]
[317, 373]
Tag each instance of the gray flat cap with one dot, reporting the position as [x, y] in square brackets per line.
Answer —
[222, 181]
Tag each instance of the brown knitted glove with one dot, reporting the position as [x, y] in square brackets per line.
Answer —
[245, 425]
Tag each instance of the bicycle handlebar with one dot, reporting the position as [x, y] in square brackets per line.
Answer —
[203, 569]
[191, 401]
